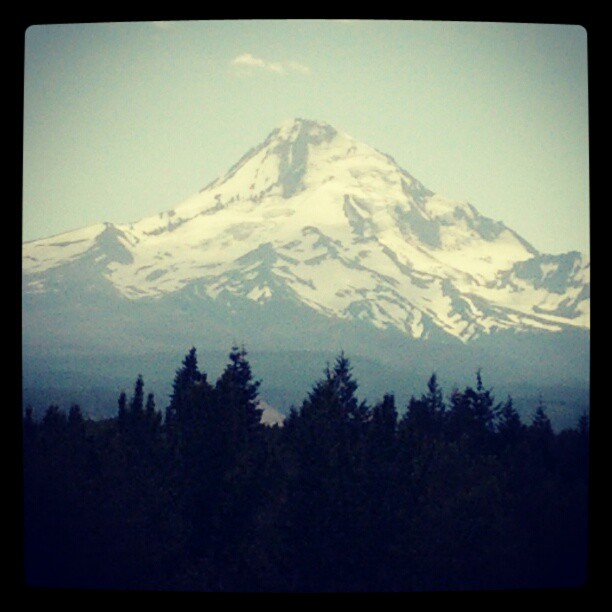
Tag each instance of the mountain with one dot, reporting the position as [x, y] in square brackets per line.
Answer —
[312, 241]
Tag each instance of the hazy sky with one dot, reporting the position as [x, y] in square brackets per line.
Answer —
[125, 120]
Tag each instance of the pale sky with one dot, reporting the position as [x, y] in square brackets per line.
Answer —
[126, 120]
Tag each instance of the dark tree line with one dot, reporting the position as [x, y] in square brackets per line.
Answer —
[451, 493]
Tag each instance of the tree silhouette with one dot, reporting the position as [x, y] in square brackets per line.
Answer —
[456, 494]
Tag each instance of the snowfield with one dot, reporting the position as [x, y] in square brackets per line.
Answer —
[337, 226]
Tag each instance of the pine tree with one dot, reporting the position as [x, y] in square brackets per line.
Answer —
[425, 416]
[327, 497]
[333, 397]
[383, 491]
[472, 416]
[137, 403]
[54, 421]
[75, 417]
[122, 412]
[383, 426]
[190, 409]
[541, 435]
[540, 423]
[229, 489]
[150, 407]
[185, 379]
[236, 402]
[132, 419]
[152, 417]
[509, 426]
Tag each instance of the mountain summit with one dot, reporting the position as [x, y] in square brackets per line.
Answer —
[313, 217]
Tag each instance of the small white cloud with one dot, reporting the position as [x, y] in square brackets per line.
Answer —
[246, 59]
[297, 67]
[250, 61]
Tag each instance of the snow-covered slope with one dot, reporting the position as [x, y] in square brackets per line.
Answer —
[315, 217]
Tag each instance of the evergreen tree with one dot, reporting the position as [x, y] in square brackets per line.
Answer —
[137, 527]
[189, 444]
[150, 407]
[383, 426]
[384, 489]
[152, 418]
[180, 410]
[472, 416]
[425, 416]
[540, 423]
[327, 495]
[137, 403]
[54, 422]
[541, 436]
[333, 397]
[56, 533]
[238, 393]
[75, 418]
[122, 411]
[134, 422]
[509, 427]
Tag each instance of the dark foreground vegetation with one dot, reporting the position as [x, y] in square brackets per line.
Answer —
[447, 493]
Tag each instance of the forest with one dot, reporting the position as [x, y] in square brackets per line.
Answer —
[445, 492]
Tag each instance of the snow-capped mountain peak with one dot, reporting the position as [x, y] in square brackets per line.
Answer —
[312, 216]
